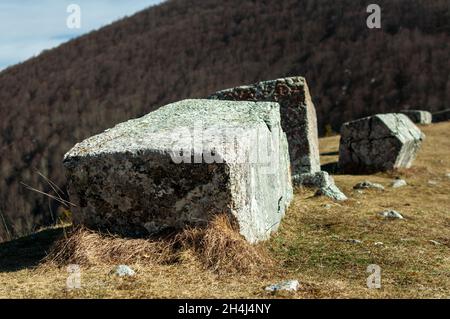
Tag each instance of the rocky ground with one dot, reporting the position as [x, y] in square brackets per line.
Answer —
[325, 245]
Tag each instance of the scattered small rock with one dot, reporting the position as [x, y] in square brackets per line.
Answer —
[323, 181]
[290, 285]
[399, 183]
[433, 183]
[333, 192]
[435, 242]
[448, 175]
[379, 243]
[368, 185]
[391, 214]
[355, 241]
[124, 271]
[327, 206]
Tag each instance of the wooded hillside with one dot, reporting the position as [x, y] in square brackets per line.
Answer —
[191, 48]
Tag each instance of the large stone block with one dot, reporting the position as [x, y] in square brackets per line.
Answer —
[181, 165]
[298, 116]
[379, 143]
[418, 116]
[441, 116]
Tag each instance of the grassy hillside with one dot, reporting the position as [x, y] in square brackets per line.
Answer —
[314, 245]
[191, 48]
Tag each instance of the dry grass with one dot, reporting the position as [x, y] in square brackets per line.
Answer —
[313, 245]
[219, 248]
[223, 250]
[89, 248]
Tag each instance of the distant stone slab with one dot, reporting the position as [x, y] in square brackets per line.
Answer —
[379, 143]
[181, 165]
[418, 116]
[298, 116]
[441, 116]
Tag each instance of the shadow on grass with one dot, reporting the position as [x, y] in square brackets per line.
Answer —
[334, 153]
[27, 252]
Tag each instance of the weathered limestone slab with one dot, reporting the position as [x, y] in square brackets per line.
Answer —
[441, 116]
[418, 116]
[181, 165]
[379, 143]
[298, 116]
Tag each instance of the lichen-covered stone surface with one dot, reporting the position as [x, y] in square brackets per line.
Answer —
[418, 116]
[181, 165]
[298, 116]
[379, 143]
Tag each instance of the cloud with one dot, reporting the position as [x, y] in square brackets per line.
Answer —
[28, 27]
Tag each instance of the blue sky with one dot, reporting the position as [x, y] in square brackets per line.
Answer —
[29, 26]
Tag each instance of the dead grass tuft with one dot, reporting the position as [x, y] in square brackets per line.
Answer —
[88, 248]
[222, 249]
[218, 247]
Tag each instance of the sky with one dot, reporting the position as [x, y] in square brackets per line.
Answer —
[27, 27]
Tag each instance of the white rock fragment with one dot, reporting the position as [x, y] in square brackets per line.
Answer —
[325, 183]
[290, 285]
[399, 183]
[392, 214]
[368, 185]
[434, 242]
[379, 243]
[333, 192]
[124, 271]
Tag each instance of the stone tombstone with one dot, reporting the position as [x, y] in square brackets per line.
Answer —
[180, 166]
[379, 143]
[418, 116]
[298, 116]
[441, 116]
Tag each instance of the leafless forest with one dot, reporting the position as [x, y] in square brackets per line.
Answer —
[190, 48]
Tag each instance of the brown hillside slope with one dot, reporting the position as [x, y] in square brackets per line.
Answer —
[313, 245]
[191, 48]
